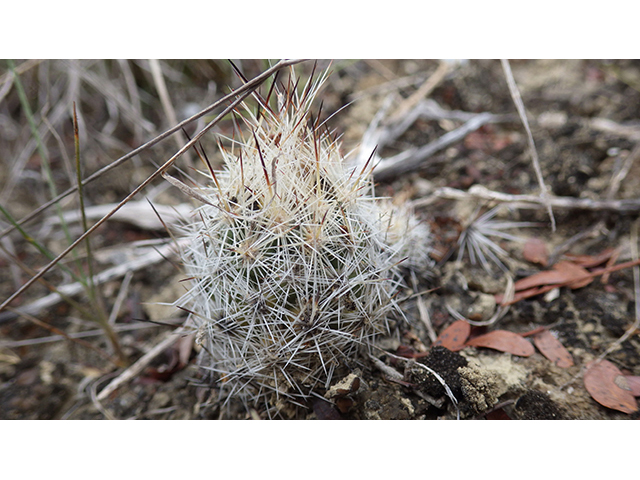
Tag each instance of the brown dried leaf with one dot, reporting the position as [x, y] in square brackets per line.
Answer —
[551, 348]
[563, 273]
[600, 382]
[503, 341]
[535, 251]
[454, 336]
[531, 292]
[573, 271]
[634, 384]
[548, 277]
[588, 261]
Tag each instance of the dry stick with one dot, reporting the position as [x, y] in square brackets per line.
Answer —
[124, 287]
[134, 97]
[515, 94]
[165, 100]
[426, 319]
[575, 239]
[427, 87]
[84, 334]
[247, 86]
[531, 201]
[151, 257]
[621, 173]
[55, 330]
[254, 84]
[410, 159]
[140, 365]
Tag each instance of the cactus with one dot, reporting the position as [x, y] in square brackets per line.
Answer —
[292, 262]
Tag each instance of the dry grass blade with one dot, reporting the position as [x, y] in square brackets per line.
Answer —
[165, 99]
[140, 365]
[59, 332]
[247, 89]
[427, 87]
[241, 90]
[517, 99]
[149, 257]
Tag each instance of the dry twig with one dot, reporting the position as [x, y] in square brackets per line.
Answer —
[140, 365]
[529, 201]
[515, 94]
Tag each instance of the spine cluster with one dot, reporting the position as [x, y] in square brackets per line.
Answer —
[293, 264]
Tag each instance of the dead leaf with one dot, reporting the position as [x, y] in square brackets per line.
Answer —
[634, 384]
[454, 336]
[573, 271]
[535, 251]
[563, 272]
[543, 289]
[588, 261]
[600, 382]
[531, 292]
[551, 348]
[503, 341]
[548, 277]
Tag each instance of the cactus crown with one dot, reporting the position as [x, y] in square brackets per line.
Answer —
[291, 264]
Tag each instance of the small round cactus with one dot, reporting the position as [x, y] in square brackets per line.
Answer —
[292, 262]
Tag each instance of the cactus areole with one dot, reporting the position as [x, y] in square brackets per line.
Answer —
[292, 263]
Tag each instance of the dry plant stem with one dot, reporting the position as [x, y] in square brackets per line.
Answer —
[165, 100]
[566, 246]
[88, 333]
[140, 365]
[429, 109]
[124, 287]
[97, 402]
[631, 132]
[59, 332]
[155, 255]
[15, 262]
[426, 319]
[246, 92]
[6, 87]
[7, 79]
[427, 87]
[529, 201]
[249, 86]
[410, 160]
[515, 94]
[134, 98]
[622, 172]
[394, 374]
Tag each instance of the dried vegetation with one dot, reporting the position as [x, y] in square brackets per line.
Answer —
[517, 320]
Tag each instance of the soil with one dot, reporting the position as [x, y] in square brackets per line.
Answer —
[585, 120]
